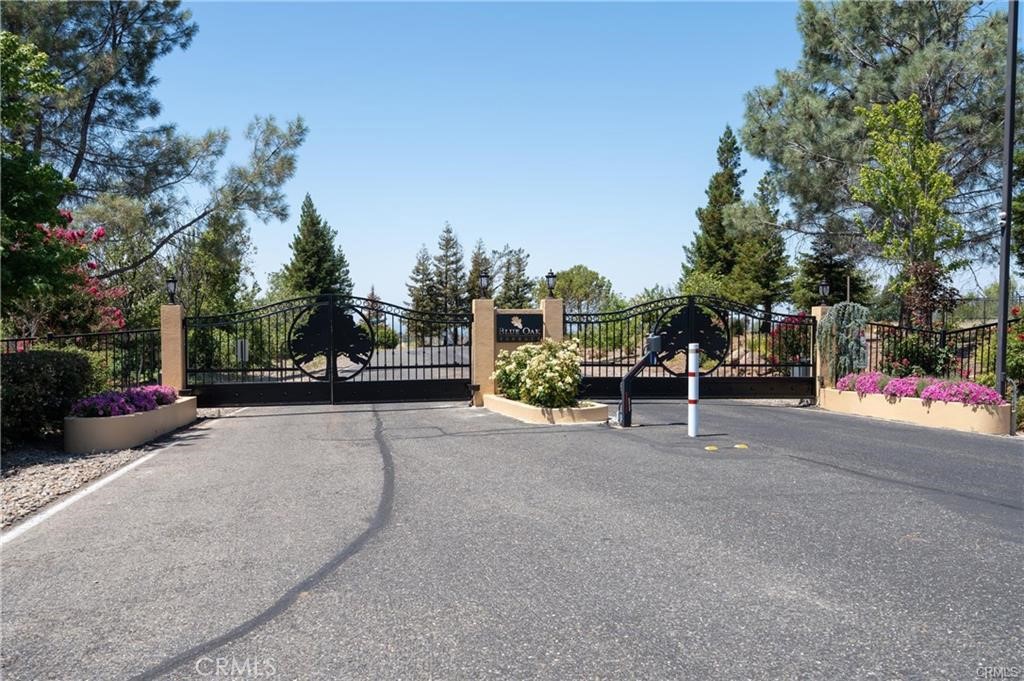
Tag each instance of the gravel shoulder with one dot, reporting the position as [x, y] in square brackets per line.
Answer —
[34, 476]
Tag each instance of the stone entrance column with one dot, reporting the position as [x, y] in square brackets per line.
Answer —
[172, 345]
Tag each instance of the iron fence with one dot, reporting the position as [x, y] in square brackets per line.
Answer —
[968, 353]
[122, 358]
[736, 340]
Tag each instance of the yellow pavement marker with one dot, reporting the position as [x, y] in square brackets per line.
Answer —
[711, 448]
[741, 445]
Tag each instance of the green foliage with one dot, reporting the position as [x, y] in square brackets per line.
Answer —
[841, 344]
[906, 190]
[544, 375]
[830, 260]
[26, 77]
[714, 248]
[317, 265]
[581, 289]
[1017, 221]
[38, 390]
[479, 262]
[516, 287]
[423, 295]
[855, 54]
[31, 265]
[384, 337]
[1015, 351]
[914, 355]
[703, 284]
[450, 272]
[761, 275]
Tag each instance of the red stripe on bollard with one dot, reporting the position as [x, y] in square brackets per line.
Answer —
[691, 374]
[691, 401]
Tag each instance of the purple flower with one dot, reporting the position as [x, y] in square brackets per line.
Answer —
[870, 383]
[130, 401]
[846, 382]
[964, 392]
[901, 387]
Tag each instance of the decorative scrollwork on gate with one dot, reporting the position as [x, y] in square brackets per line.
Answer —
[310, 343]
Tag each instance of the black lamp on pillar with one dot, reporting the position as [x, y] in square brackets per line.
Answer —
[550, 278]
[485, 284]
[823, 289]
[172, 288]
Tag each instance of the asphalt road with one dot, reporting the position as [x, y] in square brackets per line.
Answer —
[437, 541]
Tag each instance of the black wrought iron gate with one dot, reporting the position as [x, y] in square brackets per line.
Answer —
[328, 349]
[744, 352]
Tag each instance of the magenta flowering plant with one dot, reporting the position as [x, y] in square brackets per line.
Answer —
[901, 387]
[870, 383]
[846, 382]
[965, 392]
[130, 401]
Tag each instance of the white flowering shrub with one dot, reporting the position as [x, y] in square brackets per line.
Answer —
[545, 375]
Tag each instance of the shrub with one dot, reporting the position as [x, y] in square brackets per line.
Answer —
[509, 369]
[962, 391]
[384, 336]
[39, 388]
[790, 340]
[914, 355]
[130, 401]
[902, 387]
[846, 382]
[841, 339]
[871, 383]
[545, 375]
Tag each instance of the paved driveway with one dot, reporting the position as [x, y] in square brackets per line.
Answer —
[411, 541]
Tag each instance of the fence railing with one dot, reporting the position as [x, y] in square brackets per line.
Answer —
[124, 358]
[955, 353]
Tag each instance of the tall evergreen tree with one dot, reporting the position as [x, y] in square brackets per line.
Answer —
[450, 278]
[951, 54]
[479, 262]
[829, 260]
[374, 309]
[762, 275]
[423, 295]
[516, 286]
[317, 265]
[714, 248]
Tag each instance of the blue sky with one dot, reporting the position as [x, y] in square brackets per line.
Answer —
[585, 133]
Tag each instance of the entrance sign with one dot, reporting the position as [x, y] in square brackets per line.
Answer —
[521, 327]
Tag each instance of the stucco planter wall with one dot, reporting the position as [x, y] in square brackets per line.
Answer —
[591, 413]
[93, 434]
[934, 414]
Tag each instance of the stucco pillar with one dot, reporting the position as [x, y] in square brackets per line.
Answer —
[820, 368]
[172, 345]
[484, 350]
[554, 317]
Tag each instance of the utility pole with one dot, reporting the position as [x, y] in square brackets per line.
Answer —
[1007, 208]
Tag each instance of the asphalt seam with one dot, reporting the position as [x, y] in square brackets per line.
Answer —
[379, 521]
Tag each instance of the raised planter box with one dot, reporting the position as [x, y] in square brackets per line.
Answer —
[933, 414]
[591, 413]
[83, 435]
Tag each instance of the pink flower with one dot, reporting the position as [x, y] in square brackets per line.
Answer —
[99, 233]
[91, 265]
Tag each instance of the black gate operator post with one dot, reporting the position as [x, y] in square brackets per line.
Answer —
[650, 358]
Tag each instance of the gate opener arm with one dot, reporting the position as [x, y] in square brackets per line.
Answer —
[624, 417]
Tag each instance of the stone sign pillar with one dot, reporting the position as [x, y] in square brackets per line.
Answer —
[172, 345]
[506, 329]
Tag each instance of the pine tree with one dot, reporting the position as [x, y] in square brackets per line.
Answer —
[714, 248]
[516, 287]
[317, 266]
[829, 260]
[450, 279]
[374, 309]
[762, 275]
[423, 296]
[479, 262]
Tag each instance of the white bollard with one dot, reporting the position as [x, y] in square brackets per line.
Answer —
[692, 388]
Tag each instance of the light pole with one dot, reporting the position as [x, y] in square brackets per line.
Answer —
[171, 285]
[550, 279]
[823, 289]
[1002, 330]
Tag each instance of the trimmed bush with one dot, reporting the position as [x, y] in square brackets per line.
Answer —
[545, 375]
[38, 389]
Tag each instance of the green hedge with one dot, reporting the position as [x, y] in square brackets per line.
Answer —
[38, 389]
